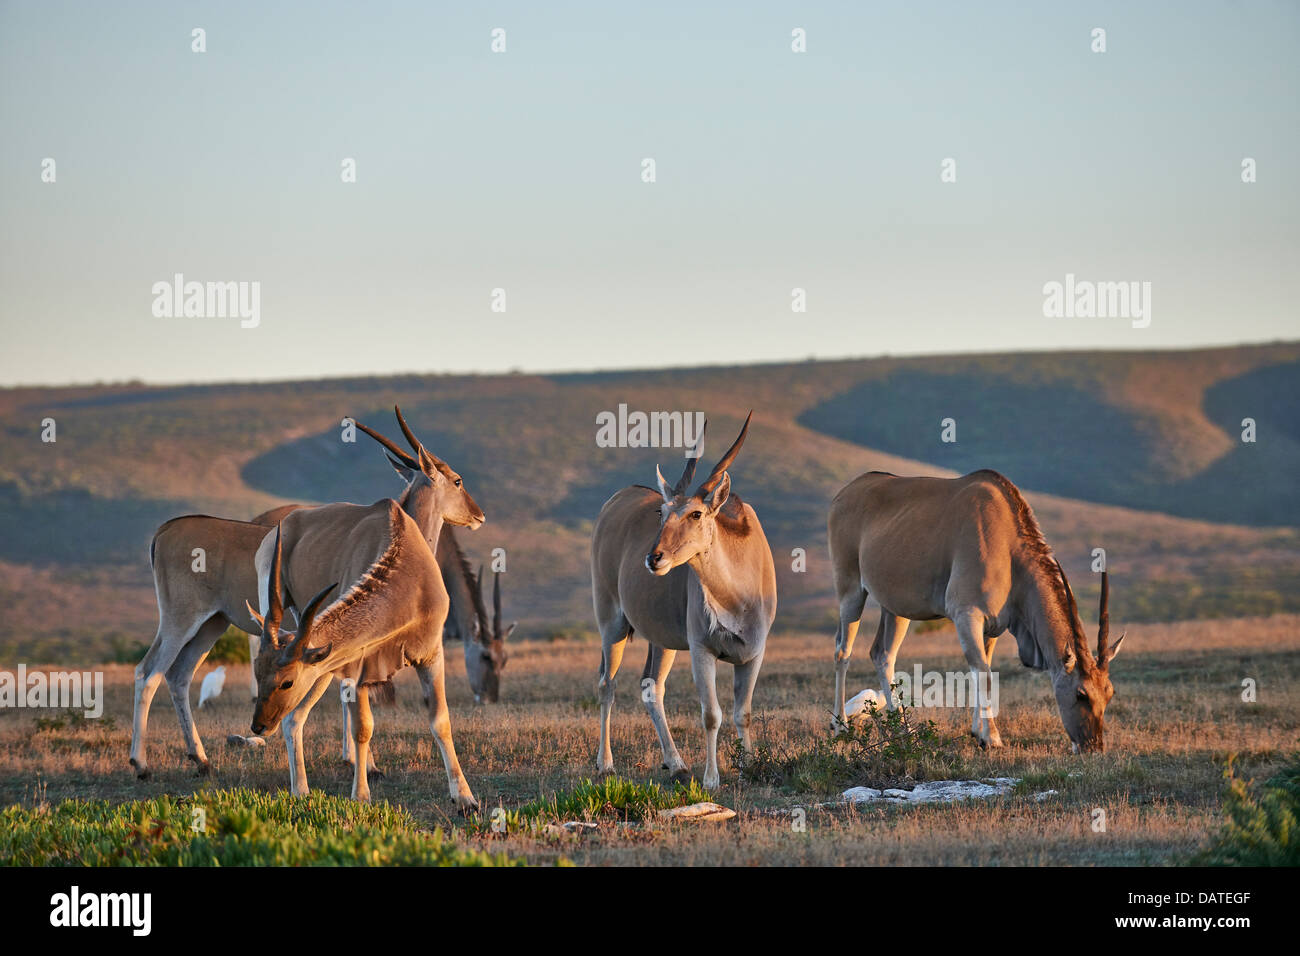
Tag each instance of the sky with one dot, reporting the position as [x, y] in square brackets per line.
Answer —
[522, 171]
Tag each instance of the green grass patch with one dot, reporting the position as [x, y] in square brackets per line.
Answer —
[607, 799]
[1263, 822]
[227, 828]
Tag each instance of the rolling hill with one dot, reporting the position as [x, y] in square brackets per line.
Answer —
[1139, 453]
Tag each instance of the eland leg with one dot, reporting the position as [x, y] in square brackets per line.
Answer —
[291, 729]
[254, 648]
[704, 668]
[614, 634]
[970, 629]
[658, 662]
[435, 687]
[149, 673]
[363, 725]
[853, 599]
[884, 652]
[347, 693]
[179, 678]
[744, 677]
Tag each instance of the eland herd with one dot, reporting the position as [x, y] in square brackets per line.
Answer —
[374, 588]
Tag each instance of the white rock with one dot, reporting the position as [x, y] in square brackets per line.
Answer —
[860, 795]
[238, 741]
[1040, 797]
[697, 813]
[934, 791]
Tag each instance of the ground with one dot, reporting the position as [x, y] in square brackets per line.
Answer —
[1177, 715]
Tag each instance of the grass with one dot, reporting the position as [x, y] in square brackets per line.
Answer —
[1262, 825]
[1177, 718]
[227, 828]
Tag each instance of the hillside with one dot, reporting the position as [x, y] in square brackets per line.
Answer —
[1139, 453]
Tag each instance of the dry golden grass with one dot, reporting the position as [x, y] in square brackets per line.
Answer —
[1176, 716]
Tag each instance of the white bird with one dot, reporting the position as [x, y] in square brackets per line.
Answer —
[212, 684]
[868, 698]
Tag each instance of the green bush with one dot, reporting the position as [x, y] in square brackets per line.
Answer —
[1263, 823]
[227, 828]
[880, 748]
[231, 647]
[610, 798]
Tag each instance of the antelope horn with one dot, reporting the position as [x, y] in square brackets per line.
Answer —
[496, 603]
[691, 461]
[308, 618]
[721, 467]
[480, 611]
[274, 606]
[400, 453]
[415, 442]
[1103, 620]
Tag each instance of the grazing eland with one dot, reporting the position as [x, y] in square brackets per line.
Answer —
[968, 549]
[398, 590]
[686, 571]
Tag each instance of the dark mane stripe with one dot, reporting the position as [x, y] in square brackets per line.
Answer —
[471, 585]
[1042, 560]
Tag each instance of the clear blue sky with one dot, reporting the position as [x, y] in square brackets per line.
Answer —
[522, 170]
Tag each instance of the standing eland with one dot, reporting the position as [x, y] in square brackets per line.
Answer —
[686, 572]
[396, 599]
[968, 549]
[202, 573]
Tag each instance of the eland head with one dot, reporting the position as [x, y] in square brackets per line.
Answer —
[688, 522]
[287, 665]
[1083, 687]
[432, 488]
[485, 661]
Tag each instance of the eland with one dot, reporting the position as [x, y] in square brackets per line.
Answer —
[688, 571]
[391, 613]
[968, 549]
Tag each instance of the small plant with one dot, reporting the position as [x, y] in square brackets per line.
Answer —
[880, 748]
[610, 798]
[1263, 822]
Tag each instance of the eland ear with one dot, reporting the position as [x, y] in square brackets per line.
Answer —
[664, 489]
[718, 497]
[261, 621]
[314, 655]
[403, 472]
[1068, 661]
[510, 630]
[1110, 654]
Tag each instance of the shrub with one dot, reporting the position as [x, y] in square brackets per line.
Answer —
[880, 748]
[231, 648]
[1263, 824]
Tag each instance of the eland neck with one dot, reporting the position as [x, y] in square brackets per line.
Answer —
[417, 502]
[726, 577]
[1041, 612]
